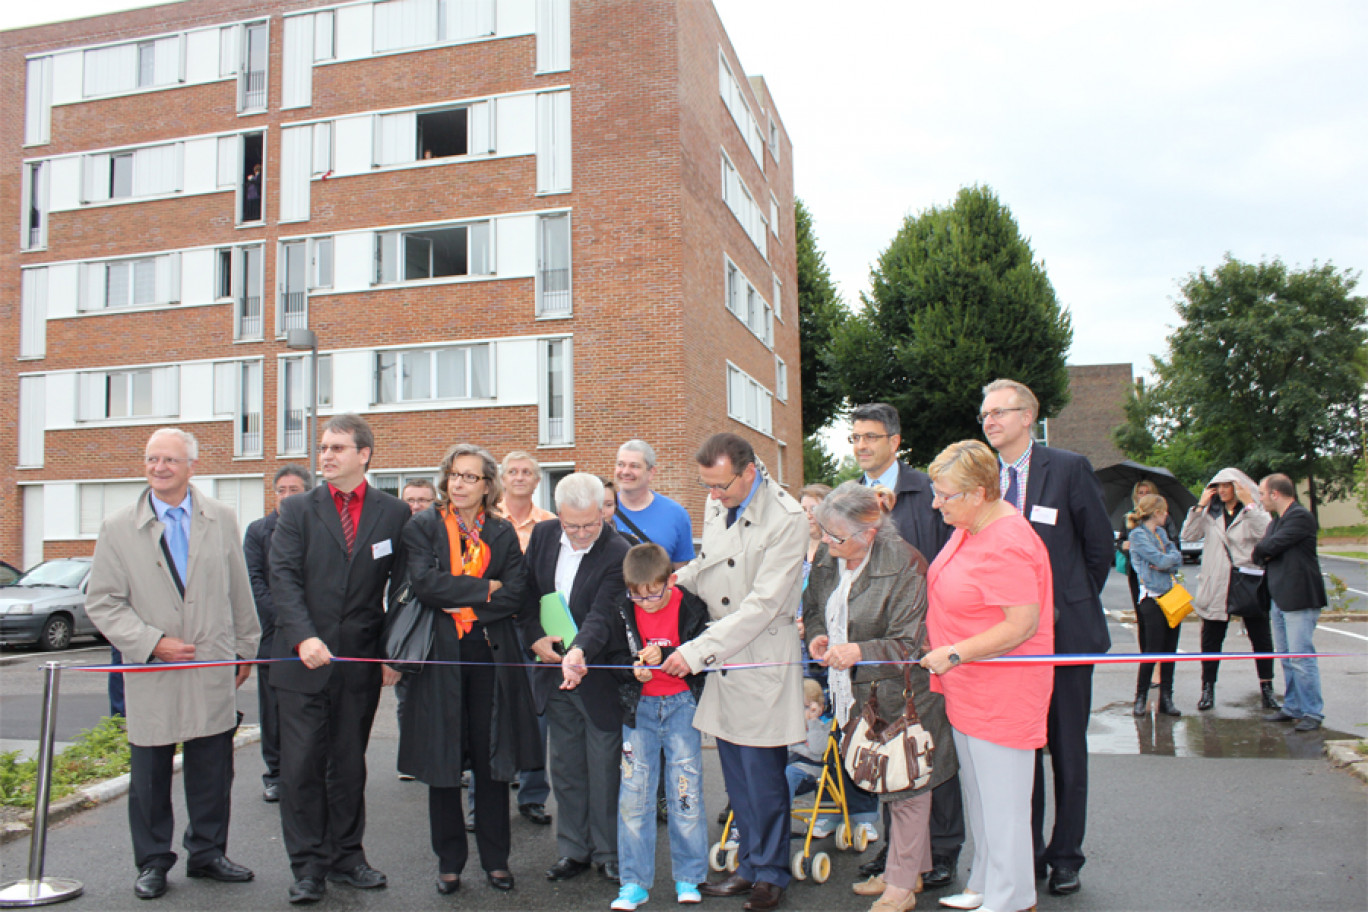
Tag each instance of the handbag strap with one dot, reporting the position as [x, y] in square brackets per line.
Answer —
[910, 709]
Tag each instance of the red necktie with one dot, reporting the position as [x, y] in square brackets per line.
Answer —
[348, 527]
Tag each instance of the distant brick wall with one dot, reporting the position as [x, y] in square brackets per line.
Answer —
[1098, 395]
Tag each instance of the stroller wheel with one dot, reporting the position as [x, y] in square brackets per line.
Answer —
[820, 867]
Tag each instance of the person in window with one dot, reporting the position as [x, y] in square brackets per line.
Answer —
[251, 197]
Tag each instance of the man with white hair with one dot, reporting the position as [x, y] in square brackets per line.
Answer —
[145, 599]
[646, 514]
[574, 564]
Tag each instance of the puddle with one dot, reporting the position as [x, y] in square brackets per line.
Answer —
[1114, 730]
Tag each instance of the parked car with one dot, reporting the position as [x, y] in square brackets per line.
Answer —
[9, 573]
[1192, 551]
[46, 606]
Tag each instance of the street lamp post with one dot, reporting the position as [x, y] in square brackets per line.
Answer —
[307, 340]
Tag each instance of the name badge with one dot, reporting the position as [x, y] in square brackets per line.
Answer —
[1047, 516]
[381, 549]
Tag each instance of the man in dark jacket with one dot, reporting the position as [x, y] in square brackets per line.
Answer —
[1293, 576]
[256, 547]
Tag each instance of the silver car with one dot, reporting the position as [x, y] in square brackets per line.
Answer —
[46, 606]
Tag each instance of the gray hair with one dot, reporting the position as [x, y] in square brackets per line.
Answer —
[1024, 396]
[579, 491]
[187, 438]
[519, 456]
[855, 506]
[637, 445]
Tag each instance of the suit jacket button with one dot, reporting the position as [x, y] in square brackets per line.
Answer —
[731, 562]
[725, 600]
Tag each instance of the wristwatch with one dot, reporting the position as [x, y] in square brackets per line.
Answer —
[954, 657]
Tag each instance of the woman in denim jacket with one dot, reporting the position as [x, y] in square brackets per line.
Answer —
[1154, 557]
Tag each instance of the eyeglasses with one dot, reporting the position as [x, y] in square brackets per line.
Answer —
[468, 477]
[720, 489]
[171, 461]
[835, 539]
[648, 597]
[577, 528]
[997, 413]
[867, 438]
[944, 498]
[336, 448]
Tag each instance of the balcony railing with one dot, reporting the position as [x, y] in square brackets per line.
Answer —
[294, 310]
[294, 431]
[249, 434]
[252, 90]
[554, 292]
[249, 317]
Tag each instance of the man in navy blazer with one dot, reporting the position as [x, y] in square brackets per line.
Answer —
[579, 556]
[1059, 494]
[1293, 577]
[334, 551]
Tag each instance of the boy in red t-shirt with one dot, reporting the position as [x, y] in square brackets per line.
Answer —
[657, 713]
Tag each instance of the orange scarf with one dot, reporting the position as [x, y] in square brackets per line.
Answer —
[469, 557]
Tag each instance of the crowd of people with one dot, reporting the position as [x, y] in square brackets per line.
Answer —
[592, 644]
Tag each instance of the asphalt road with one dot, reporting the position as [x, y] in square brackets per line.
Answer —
[1354, 573]
[1211, 811]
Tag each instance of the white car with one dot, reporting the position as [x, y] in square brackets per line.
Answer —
[46, 606]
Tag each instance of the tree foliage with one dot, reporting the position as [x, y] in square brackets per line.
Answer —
[1265, 373]
[957, 300]
[819, 466]
[820, 312]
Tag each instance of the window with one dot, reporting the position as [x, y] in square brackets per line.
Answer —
[292, 311]
[34, 234]
[142, 282]
[99, 500]
[553, 142]
[779, 464]
[223, 273]
[128, 67]
[739, 200]
[394, 482]
[553, 266]
[252, 180]
[406, 136]
[1040, 432]
[295, 399]
[402, 24]
[553, 35]
[555, 415]
[246, 278]
[774, 214]
[325, 35]
[134, 393]
[774, 139]
[322, 276]
[252, 73]
[237, 395]
[747, 401]
[423, 375]
[432, 253]
[147, 171]
[735, 100]
[746, 304]
[38, 101]
[33, 296]
[777, 297]
[780, 379]
[322, 147]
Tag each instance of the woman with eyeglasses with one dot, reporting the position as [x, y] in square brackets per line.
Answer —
[990, 594]
[866, 602]
[465, 562]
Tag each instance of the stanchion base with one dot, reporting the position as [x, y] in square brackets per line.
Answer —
[17, 893]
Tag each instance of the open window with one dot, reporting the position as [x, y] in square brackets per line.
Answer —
[432, 253]
[253, 188]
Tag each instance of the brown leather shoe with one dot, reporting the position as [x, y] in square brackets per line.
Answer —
[764, 896]
[732, 886]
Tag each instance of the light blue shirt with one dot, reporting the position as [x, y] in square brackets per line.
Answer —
[888, 479]
[759, 479]
[177, 534]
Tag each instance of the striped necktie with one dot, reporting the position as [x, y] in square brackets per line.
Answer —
[348, 527]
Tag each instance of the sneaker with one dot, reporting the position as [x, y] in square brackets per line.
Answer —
[687, 892]
[823, 828]
[629, 897]
[870, 831]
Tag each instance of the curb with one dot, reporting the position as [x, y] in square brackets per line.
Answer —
[1344, 755]
[98, 793]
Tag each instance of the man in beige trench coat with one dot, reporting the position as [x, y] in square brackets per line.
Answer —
[170, 584]
[750, 573]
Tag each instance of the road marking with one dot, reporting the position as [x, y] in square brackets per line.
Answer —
[1357, 636]
[51, 656]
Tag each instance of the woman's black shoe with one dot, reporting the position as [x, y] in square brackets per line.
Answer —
[500, 880]
[1208, 698]
[447, 887]
[1141, 701]
[1266, 692]
[1167, 706]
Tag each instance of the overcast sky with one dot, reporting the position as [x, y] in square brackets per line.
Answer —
[1135, 142]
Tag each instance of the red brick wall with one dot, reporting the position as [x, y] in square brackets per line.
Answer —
[1096, 406]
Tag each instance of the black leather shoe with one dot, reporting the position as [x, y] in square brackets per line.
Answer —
[500, 880]
[535, 813]
[1042, 870]
[362, 877]
[150, 884]
[222, 869]
[271, 793]
[609, 871]
[876, 865]
[732, 886]
[1208, 698]
[447, 887]
[942, 874]
[1266, 697]
[307, 890]
[1280, 716]
[1307, 724]
[566, 868]
[1167, 706]
[1063, 881]
[1141, 702]
[764, 897]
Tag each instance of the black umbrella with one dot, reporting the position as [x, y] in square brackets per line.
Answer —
[1120, 479]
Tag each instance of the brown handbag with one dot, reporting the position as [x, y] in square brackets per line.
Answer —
[884, 757]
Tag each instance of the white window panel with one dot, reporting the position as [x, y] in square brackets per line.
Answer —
[467, 19]
[67, 77]
[297, 81]
[555, 400]
[553, 142]
[352, 143]
[396, 137]
[296, 167]
[403, 24]
[321, 264]
[774, 214]
[228, 50]
[780, 379]
[32, 420]
[33, 314]
[515, 245]
[354, 31]
[748, 401]
[553, 35]
[196, 391]
[98, 501]
[354, 261]
[166, 68]
[777, 297]
[201, 56]
[201, 165]
[95, 177]
[226, 376]
[423, 375]
[229, 161]
[247, 431]
[322, 147]
[197, 276]
[109, 70]
[35, 523]
[516, 125]
[157, 170]
[553, 266]
[325, 35]
[38, 101]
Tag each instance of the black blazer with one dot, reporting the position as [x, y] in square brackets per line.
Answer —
[256, 548]
[319, 592]
[593, 600]
[1288, 551]
[919, 524]
[1079, 539]
[624, 642]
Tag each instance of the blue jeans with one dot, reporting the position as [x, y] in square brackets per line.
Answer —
[662, 722]
[1292, 632]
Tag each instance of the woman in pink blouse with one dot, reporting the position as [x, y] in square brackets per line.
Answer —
[988, 592]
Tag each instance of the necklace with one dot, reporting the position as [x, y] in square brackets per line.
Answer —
[988, 516]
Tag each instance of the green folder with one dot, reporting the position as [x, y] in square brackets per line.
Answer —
[556, 619]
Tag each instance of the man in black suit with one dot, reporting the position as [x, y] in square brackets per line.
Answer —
[256, 547]
[1059, 494]
[876, 437]
[1293, 576]
[333, 552]
[580, 557]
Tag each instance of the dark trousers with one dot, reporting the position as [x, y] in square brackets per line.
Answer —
[446, 817]
[1260, 640]
[323, 738]
[758, 790]
[586, 769]
[1155, 636]
[268, 709]
[116, 684]
[207, 769]
[1067, 737]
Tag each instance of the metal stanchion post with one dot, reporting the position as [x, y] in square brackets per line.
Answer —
[38, 890]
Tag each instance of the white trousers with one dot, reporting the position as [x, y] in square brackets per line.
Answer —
[997, 783]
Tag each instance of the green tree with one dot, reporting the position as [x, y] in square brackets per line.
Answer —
[1265, 372]
[956, 301]
[820, 312]
[819, 466]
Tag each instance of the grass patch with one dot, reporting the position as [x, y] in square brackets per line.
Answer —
[1361, 555]
[1359, 531]
[99, 753]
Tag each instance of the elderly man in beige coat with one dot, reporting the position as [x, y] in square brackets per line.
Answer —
[750, 572]
[170, 584]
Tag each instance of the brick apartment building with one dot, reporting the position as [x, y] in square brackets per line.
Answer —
[548, 225]
[1097, 400]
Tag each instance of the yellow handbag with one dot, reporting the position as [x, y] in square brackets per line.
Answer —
[1176, 604]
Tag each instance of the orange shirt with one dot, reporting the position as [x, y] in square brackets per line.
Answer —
[524, 528]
